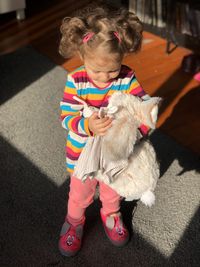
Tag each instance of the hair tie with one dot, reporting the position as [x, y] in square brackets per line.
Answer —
[117, 36]
[87, 37]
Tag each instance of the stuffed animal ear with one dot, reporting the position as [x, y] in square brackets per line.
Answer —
[112, 110]
[109, 111]
[149, 111]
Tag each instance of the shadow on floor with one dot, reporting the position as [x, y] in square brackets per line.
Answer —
[184, 121]
[180, 123]
[19, 69]
[32, 212]
[166, 155]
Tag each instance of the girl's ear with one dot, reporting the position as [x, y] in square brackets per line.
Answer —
[149, 111]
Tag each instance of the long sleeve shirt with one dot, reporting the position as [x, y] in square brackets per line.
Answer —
[79, 84]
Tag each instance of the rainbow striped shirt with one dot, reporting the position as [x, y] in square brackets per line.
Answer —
[79, 84]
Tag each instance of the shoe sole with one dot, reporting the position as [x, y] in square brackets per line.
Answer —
[67, 254]
[117, 244]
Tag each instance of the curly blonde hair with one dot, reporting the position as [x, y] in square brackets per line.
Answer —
[118, 32]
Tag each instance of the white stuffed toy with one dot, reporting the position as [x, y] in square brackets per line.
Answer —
[120, 159]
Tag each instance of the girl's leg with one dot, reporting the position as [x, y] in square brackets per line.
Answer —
[109, 198]
[113, 224]
[80, 197]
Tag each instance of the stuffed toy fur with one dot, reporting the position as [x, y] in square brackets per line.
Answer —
[138, 177]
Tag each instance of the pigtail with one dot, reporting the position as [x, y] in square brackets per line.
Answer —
[98, 20]
[72, 30]
[130, 30]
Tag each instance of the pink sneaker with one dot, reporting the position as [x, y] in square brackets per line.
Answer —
[115, 229]
[70, 239]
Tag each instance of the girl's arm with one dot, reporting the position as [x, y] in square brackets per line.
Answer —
[71, 115]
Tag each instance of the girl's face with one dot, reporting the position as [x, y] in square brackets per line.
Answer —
[102, 70]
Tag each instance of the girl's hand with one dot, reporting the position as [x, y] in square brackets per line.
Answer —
[99, 126]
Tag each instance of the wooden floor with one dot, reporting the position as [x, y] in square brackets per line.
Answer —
[159, 73]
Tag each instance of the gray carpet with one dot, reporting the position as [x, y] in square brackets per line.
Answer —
[34, 185]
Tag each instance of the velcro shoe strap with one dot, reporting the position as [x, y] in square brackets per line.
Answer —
[79, 231]
[65, 228]
[110, 222]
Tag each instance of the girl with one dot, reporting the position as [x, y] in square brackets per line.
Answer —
[101, 40]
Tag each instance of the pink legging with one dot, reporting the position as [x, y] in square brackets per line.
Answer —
[81, 195]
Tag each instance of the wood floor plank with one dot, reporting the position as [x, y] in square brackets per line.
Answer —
[34, 28]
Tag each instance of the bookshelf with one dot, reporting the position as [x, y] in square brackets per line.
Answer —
[177, 21]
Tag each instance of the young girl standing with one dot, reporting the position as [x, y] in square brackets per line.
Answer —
[101, 39]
